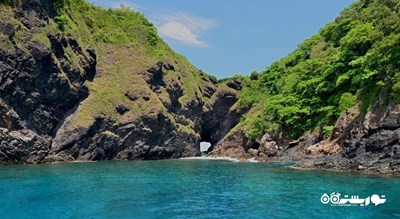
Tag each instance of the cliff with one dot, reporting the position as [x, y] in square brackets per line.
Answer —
[79, 82]
[82, 83]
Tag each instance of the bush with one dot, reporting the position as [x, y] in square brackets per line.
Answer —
[254, 76]
[347, 100]
[59, 5]
[358, 54]
[213, 79]
[61, 22]
[327, 130]
[152, 35]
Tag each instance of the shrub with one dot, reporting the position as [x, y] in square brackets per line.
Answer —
[152, 35]
[61, 22]
[254, 76]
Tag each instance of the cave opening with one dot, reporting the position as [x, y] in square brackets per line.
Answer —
[206, 140]
[204, 146]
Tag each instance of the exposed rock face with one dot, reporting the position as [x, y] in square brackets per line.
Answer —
[38, 86]
[268, 147]
[22, 146]
[157, 135]
[221, 116]
[151, 137]
[42, 86]
[371, 145]
[231, 146]
[366, 142]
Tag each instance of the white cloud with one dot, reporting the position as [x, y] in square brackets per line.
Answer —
[180, 32]
[184, 28]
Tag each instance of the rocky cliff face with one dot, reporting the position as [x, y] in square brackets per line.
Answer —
[44, 98]
[161, 134]
[38, 83]
[63, 98]
[365, 142]
[369, 143]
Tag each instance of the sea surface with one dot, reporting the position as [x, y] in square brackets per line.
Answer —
[187, 189]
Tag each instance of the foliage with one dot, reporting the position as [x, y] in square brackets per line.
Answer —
[61, 22]
[213, 78]
[59, 5]
[354, 59]
[346, 101]
[126, 44]
[254, 76]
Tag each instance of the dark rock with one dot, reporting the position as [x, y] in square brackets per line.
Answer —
[32, 14]
[38, 87]
[22, 146]
[152, 137]
[9, 119]
[105, 147]
[235, 84]
[122, 109]
[130, 96]
[146, 98]
[92, 53]
[155, 77]
[370, 144]
[219, 119]
[169, 67]
[39, 51]
[42, 90]
[208, 91]
[7, 29]
[75, 47]
[175, 91]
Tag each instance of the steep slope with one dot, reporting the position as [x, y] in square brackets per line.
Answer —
[333, 101]
[38, 81]
[79, 82]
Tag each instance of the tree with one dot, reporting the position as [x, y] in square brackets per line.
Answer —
[254, 76]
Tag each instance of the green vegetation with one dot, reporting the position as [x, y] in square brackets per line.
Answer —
[61, 22]
[127, 45]
[354, 59]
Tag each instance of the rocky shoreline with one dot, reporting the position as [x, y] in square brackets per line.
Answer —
[360, 142]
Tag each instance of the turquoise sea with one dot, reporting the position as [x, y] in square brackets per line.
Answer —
[186, 189]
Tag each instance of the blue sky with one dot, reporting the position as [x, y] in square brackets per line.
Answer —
[227, 37]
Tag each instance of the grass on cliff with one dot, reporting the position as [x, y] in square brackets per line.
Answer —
[127, 45]
[354, 59]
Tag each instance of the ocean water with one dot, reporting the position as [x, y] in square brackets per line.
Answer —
[186, 189]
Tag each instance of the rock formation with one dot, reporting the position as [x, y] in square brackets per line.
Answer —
[43, 88]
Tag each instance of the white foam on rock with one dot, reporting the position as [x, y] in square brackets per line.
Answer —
[252, 160]
[210, 158]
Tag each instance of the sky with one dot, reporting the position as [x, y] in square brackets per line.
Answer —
[228, 37]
